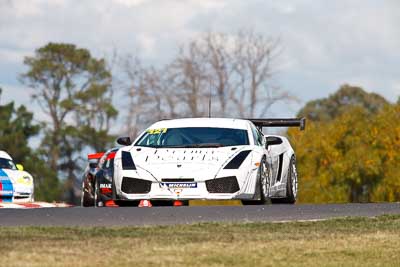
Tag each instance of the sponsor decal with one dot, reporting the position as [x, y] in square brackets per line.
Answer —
[6, 187]
[105, 185]
[179, 185]
[157, 131]
[178, 192]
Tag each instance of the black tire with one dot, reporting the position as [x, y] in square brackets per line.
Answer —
[86, 199]
[97, 200]
[291, 196]
[263, 183]
[114, 190]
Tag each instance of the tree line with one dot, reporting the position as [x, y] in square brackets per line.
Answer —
[76, 93]
[350, 151]
[235, 71]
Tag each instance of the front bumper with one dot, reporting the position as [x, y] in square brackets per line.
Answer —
[23, 198]
[18, 194]
[17, 197]
[23, 193]
[159, 192]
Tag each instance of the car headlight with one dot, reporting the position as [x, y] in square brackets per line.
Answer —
[26, 180]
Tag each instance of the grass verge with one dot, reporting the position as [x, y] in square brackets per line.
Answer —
[336, 242]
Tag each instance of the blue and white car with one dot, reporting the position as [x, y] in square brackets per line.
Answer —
[16, 185]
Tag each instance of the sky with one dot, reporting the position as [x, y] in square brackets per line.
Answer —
[324, 43]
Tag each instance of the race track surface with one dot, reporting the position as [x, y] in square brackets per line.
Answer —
[132, 216]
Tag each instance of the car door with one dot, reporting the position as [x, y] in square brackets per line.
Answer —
[275, 152]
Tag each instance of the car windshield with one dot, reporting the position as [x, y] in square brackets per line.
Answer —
[193, 137]
[7, 164]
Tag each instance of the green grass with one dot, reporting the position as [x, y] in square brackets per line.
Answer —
[337, 242]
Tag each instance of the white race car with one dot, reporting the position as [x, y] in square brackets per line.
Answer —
[16, 185]
[207, 158]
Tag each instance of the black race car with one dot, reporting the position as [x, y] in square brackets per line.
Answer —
[98, 188]
[97, 180]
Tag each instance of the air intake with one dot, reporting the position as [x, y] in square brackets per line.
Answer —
[223, 185]
[135, 186]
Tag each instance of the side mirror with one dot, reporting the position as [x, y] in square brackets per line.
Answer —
[272, 141]
[92, 165]
[20, 167]
[124, 141]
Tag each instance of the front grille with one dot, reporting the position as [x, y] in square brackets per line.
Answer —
[135, 186]
[22, 196]
[223, 185]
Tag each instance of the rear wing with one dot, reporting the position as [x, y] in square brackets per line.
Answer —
[95, 156]
[94, 159]
[260, 123]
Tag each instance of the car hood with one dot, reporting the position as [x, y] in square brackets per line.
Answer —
[15, 177]
[198, 163]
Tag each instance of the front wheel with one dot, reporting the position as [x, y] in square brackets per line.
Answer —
[263, 184]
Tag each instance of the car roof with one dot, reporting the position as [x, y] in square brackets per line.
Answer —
[202, 122]
[5, 155]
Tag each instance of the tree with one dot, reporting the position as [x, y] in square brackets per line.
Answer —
[74, 91]
[16, 129]
[336, 104]
[352, 157]
[149, 92]
[386, 131]
[190, 81]
[234, 70]
[220, 67]
[254, 92]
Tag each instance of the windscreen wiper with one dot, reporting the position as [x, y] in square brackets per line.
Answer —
[208, 145]
[178, 146]
[202, 145]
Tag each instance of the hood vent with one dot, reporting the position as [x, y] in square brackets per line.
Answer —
[127, 161]
[237, 160]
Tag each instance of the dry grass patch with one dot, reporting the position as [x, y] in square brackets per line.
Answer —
[339, 242]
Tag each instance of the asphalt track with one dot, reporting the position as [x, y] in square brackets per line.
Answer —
[132, 216]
